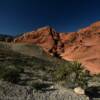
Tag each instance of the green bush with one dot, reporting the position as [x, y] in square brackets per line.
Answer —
[10, 74]
[96, 78]
[72, 73]
[40, 86]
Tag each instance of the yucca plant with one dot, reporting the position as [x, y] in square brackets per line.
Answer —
[73, 73]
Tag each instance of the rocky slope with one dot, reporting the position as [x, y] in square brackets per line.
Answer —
[83, 45]
[34, 74]
[10, 91]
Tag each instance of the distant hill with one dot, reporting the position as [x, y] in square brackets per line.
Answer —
[6, 38]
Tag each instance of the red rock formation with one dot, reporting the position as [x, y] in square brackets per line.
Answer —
[83, 45]
[45, 37]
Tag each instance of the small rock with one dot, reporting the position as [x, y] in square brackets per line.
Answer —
[79, 90]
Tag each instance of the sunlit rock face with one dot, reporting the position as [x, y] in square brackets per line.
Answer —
[46, 37]
[83, 45]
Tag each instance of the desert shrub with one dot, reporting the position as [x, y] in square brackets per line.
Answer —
[40, 86]
[10, 74]
[73, 74]
[95, 28]
[72, 39]
[96, 77]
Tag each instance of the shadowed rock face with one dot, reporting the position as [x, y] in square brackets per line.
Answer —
[83, 45]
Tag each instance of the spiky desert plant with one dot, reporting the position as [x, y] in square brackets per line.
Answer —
[73, 73]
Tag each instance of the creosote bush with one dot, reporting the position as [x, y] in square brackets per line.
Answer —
[96, 77]
[73, 73]
[10, 74]
[40, 86]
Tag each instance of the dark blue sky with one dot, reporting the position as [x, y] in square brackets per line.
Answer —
[17, 16]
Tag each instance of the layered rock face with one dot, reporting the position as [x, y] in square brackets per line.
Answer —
[83, 45]
[45, 37]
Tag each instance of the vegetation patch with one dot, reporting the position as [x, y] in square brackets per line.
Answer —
[73, 74]
[10, 74]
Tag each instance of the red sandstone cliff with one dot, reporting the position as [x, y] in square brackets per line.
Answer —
[83, 45]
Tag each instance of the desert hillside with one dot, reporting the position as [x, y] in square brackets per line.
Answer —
[82, 46]
[39, 65]
[26, 73]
